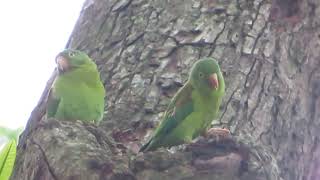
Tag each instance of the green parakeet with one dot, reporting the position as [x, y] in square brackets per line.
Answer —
[77, 92]
[193, 108]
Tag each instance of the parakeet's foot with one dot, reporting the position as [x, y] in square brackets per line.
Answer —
[221, 133]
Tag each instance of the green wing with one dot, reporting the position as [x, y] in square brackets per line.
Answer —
[179, 108]
[52, 104]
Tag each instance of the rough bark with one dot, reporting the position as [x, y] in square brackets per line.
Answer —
[269, 54]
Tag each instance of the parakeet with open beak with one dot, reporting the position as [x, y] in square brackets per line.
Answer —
[77, 92]
[193, 108]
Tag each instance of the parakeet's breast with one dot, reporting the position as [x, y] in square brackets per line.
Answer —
[79, 101]
[208, 108]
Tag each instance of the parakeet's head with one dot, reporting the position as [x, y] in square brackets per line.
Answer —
[70, 59]
[205, 75]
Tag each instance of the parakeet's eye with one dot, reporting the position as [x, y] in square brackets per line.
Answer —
[71, 54]
[201, 74]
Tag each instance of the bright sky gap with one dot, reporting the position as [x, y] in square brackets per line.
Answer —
[32, 33]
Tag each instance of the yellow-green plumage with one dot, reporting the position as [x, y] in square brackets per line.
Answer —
[77, 92]
[192, 109]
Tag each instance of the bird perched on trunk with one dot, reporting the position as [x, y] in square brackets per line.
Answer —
[77, 92]
[193, 108]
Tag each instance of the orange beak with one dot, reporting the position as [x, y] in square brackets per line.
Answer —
[213, 81]
[63, 64]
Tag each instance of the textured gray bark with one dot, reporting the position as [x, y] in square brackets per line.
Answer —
[269, 52]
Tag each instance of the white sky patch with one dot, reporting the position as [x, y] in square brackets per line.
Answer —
[32, 33]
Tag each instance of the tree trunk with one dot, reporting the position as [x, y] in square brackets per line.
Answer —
[269, 53]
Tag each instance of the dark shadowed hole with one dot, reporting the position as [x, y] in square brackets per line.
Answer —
[291, 154]
[294, 136]
[284, 9]
[93, 164]
[293, 9]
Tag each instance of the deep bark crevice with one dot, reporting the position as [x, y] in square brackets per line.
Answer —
[45, 159]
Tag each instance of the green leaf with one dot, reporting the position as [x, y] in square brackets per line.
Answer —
[7, 159]
[10, 133]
